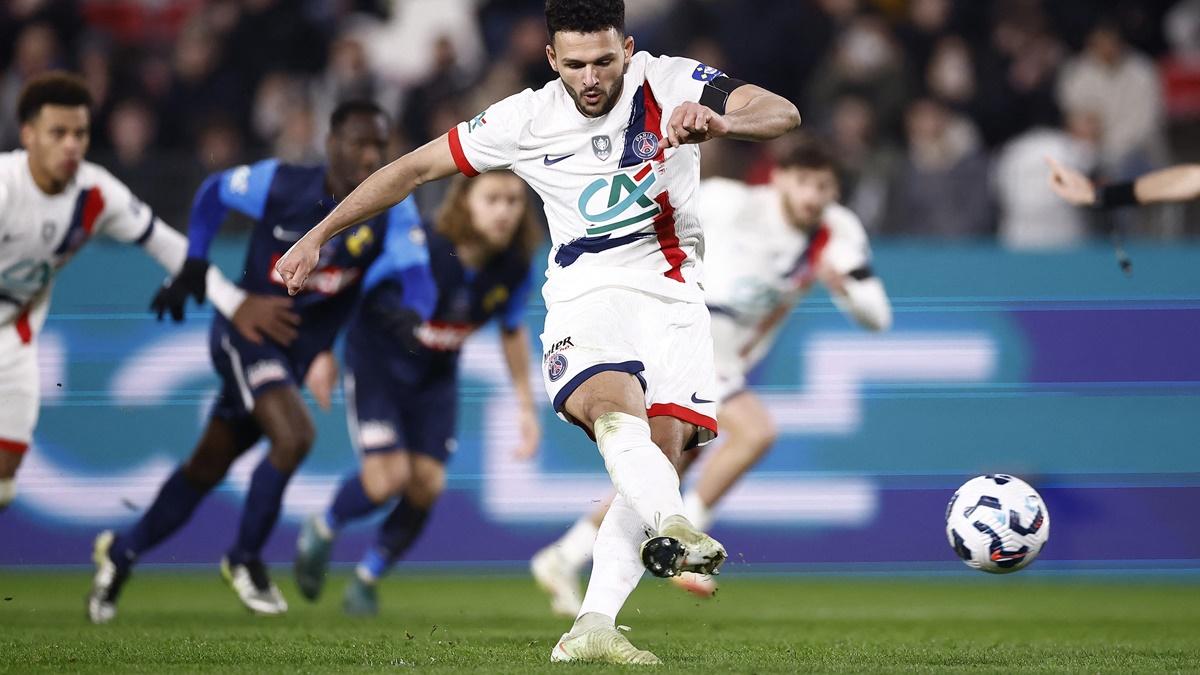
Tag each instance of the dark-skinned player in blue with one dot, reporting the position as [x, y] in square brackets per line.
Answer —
[400, 401]
[260, 395]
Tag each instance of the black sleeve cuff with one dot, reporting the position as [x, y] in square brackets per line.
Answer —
[1116, 195]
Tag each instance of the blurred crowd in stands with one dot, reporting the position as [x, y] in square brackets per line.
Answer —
[941, 111]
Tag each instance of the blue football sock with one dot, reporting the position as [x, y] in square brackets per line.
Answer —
[176, 501]
[350, 503]
[263, 502]
[396, 535]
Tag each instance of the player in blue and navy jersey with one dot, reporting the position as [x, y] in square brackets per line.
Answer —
[261, 373]
[402, 385]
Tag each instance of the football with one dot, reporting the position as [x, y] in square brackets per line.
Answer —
[997, 523]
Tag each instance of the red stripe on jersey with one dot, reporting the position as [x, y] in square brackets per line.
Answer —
[460, 158]
[24, 329]
[15, 447]
[668, 240]
[93, 205]
[653, 117]
[817, 247]
[681, 413]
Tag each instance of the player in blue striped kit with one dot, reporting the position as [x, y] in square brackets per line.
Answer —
[402, 384]
[261, 375]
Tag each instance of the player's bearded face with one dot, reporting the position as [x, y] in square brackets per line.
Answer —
[57, 141]
[592, 67]
[805, 193]
[496, 203]
[357, 149]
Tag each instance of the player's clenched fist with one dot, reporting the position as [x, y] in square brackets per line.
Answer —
[299, 261]
[695, 123]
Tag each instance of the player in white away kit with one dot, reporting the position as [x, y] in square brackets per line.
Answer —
[766, 247]
[610, 148]
[51, 203]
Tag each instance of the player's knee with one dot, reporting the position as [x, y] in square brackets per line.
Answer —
[384, 475]
[290, 445]
[762, 436]
[8, 491]
[424, 492]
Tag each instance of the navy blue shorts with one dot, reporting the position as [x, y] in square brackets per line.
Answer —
[385, 414]
[247, 370]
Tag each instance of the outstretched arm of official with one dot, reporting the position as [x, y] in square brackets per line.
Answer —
[382, 190]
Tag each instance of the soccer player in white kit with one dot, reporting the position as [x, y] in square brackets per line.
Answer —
[767, 247]
[610, 147]
[51, 203]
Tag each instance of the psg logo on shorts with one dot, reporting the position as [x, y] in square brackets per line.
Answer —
[645, 145]
[556, 365]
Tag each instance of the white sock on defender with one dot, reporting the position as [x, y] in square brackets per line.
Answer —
[617, 562]
[695, 511]
[638, 468]
[576, 545]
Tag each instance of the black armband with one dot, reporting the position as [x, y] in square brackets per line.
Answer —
[716, 93]
[861, 273]
[1116, 195]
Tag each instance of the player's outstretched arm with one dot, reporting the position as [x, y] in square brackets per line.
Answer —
[383, 189]
[751, 114]
[1173, 184]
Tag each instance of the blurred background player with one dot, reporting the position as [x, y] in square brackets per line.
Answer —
[261, 371]
[402, 385]
[611, 147]
[52, 202]
[766, 246]
[1173, 184]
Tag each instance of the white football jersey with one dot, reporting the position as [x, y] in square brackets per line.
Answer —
[620, 203]
[757, 264]
[39, 233]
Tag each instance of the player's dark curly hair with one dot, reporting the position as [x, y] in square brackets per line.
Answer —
[584, 16]
[806, 152]
[53, 88]
[347, 109]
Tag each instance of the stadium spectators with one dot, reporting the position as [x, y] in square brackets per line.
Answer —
[220, 81]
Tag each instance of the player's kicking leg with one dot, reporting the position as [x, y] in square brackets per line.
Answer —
[284, 419]
[114, 554]
[644, 528]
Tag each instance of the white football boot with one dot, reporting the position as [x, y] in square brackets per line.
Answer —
[107, 582]
[254, 588]
[680, 547]
[554, 576]
[599, 643]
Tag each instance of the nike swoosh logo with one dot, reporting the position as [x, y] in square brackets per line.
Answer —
[551, 161]
[286, 235]
[698, 400]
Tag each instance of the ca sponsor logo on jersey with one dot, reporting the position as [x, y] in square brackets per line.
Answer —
[612, 203]
[477, 121]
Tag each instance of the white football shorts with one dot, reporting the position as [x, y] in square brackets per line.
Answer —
[666, 344]
[19, 390]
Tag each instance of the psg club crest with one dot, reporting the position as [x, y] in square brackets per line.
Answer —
[645, 145]
[602, 147]
[556, 366]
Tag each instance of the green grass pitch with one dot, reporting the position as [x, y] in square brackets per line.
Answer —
[175, 621]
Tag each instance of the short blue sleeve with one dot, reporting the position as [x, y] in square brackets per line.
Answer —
[246, 188]
[405, 259]
[514, 309]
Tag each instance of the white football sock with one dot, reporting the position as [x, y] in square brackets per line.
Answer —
[617, 562]
[576, 545]
[638, 468]
[695, 511]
